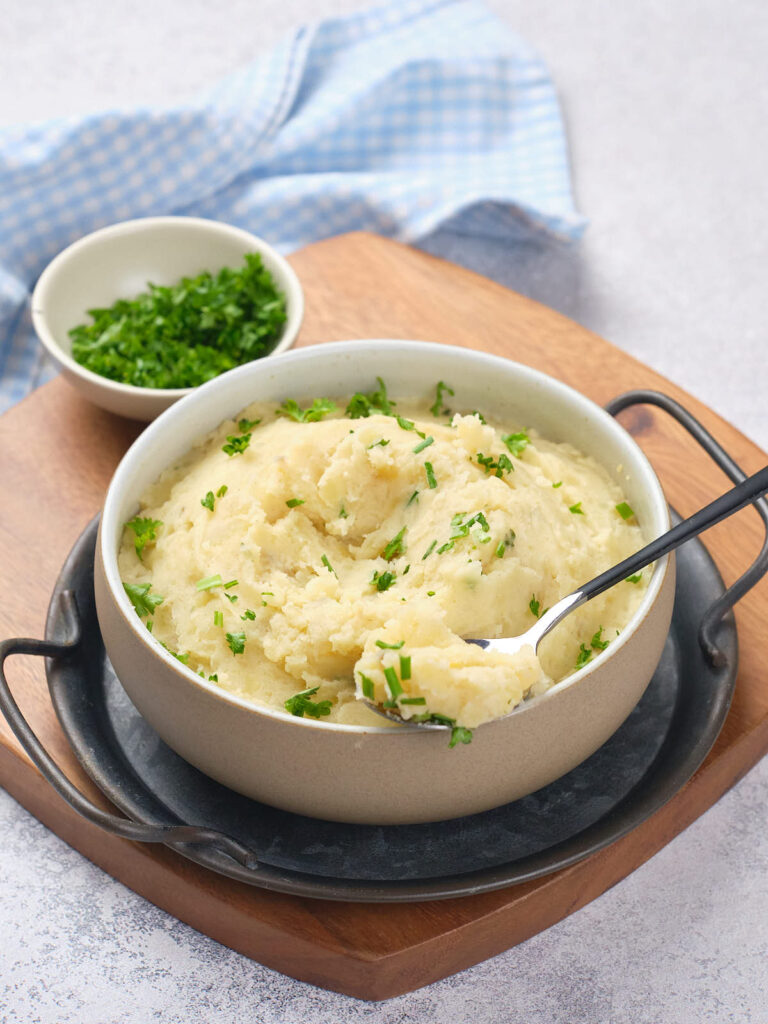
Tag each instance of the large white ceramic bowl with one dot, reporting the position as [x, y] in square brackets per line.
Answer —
[116, 263]
[380, 774]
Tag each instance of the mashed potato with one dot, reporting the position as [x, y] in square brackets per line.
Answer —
[297, 550]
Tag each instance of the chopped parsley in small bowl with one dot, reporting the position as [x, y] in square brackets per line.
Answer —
[138, 314]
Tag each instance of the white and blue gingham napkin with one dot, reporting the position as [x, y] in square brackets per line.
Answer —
[396, 120]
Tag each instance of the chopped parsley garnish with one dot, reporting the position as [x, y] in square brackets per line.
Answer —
[141, 599]
[393, 683]
[231, 598]
[248, 614]
[624, 510]
[583, 657]
[213, 677]
[222, 491]
[405, 667]
[576, 509]
[363, 405]
[236, 445]
[535, 606]
[508, 542]
[218, 618]
[381, 443]
[317, 411]
[389, 647]
[343, 514]
[437, 408]
[406, 570]
[558, 484]
[366, 684]
[236, 642]
[208, 500]
[413, 497]
[144, 531]
[635, 579]
[404, 423]
[383, 581]
[423, 444]
[459, 734]
[429, 550]
[183, 335]
[183, 658]
[395, 547]
[294, 502]
[300, 704]
[431, 479]
[432, 716]
[480, 417]
[430, 593]
[266, 593]
[516, 443]
[460, 526]
[208, 582]
[597, 643]
[244, 425]
[500, 465]
[328, 565]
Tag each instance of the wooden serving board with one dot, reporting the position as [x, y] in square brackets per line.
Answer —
[57, 454]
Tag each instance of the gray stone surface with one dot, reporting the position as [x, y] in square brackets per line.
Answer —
[666, 110]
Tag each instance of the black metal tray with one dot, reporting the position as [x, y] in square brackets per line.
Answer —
[165, 799]
[650, 757]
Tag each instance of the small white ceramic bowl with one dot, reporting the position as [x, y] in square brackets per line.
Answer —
[117, 262]
[372, 774]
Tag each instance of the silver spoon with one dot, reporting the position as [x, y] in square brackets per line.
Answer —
[742, 494]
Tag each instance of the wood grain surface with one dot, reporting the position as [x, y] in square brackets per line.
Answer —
[57, 454]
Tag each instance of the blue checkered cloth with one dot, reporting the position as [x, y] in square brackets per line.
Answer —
[398, 120]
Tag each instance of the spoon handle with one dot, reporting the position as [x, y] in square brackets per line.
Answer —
[742, 494]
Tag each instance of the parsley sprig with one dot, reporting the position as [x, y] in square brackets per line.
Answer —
[437, 408]
[141, 599]
[501, 465]
[362, 404]
[236, 445]
[210, 498]
[300, 704]
[236, 642]
[507, 542]
[595, 644]
[396, 547]
[517, 443]
[320, 408]
[144, 531]
[382, 580]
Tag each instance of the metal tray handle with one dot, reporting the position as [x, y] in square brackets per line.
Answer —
[123, 827]
[737, 590]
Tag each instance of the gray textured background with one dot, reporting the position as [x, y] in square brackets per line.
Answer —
[666, 108]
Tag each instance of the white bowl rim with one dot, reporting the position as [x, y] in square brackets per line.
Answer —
[158, 426]
[294, 295]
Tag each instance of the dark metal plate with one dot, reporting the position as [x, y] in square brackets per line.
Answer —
[641, 767]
